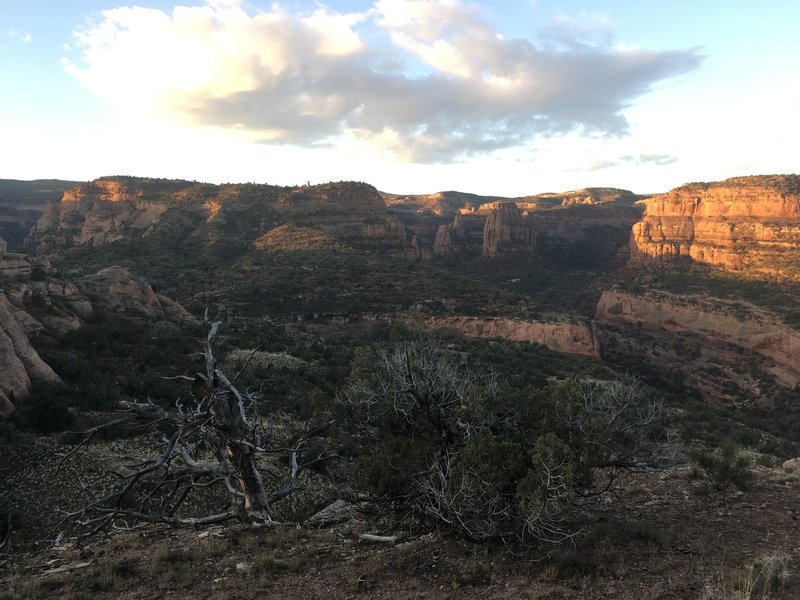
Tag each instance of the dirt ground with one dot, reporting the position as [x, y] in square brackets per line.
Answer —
[664, 536]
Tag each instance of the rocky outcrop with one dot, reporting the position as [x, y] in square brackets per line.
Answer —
[12, 264]
[507, 232]
[560, 336]
[115, 290]
[60, 307]
[750, 223]
[20, 364]
[714, 321]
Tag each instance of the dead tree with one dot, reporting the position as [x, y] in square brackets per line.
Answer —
[215, 438]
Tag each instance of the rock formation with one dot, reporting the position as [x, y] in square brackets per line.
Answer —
[19, 362]
[96, 213]
[12, 264]
[60, 307]
[750, 223]
[570, 337]
[115, 290]
[715, 321]
[507, 232]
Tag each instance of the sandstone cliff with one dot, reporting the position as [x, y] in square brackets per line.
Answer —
[714, 322]
[19, 362]
[507, 232]
[566, 336]
[745, 223]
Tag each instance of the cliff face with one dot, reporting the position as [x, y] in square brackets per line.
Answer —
[569, 337]
[94, 214]
[507, 232]
[748, 223]
[128, 209]
[19, 362]
[713, 322]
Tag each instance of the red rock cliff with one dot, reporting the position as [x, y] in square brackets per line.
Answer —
[748, 223]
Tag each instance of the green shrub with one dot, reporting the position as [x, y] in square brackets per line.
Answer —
[725, 466]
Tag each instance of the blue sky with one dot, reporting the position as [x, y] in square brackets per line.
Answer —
[414, 96]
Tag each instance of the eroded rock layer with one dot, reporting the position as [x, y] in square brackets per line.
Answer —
[745, 223]
[566, 336]
[714, 321]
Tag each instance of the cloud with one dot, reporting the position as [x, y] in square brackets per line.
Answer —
[19, 36]
[424, 80]
[659, 160]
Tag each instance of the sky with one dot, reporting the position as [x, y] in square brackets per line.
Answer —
[502, 97]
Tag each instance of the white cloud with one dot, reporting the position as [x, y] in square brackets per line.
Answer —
[19, 36]
[424, 80]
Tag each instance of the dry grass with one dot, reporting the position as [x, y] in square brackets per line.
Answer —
[763, 579]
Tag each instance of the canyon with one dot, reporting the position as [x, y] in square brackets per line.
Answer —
[748, 226]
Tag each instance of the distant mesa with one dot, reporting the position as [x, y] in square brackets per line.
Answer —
[125, 209]
[744, 223]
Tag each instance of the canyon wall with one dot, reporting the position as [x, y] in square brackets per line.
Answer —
[745, 223]
[712, 321]
[570, 337]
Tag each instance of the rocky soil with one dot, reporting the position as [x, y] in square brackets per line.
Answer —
[665, 535]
